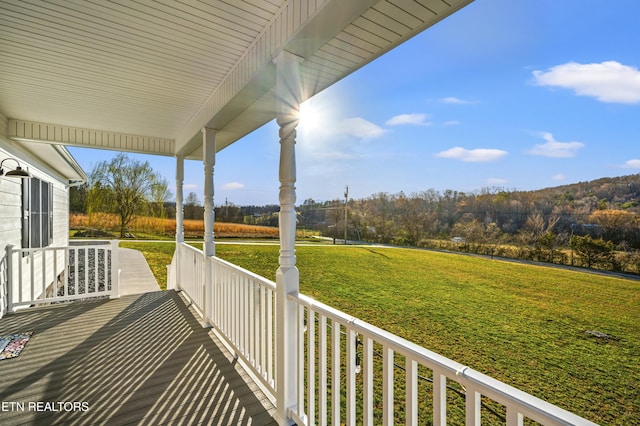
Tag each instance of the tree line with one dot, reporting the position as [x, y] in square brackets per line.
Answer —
[591, 224]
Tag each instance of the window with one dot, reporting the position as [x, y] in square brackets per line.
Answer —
[37, 213]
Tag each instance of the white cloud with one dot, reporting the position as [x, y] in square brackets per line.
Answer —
[360, 128]
[608, 81]
[556, 149]
[190, 186]
[559, 176]
[417, 119]
[233, 185]
[632, 164]
[456, 101]
[496, 181]
[479, 155]
[452, 123]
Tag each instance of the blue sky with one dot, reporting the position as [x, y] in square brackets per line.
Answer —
[519, 95]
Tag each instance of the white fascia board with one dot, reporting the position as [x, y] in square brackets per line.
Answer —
[30, 131]
[66, 156]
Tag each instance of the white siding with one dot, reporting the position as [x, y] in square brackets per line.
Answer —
[10, 210]
[60, 215]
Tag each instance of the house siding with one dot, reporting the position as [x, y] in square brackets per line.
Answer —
[60, 215]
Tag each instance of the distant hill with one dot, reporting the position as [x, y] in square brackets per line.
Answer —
[619, 192]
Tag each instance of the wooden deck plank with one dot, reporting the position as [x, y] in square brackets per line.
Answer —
[140, 359]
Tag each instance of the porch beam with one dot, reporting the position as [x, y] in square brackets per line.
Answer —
[288, 99]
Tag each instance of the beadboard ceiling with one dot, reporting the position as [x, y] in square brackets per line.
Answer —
[146, 76]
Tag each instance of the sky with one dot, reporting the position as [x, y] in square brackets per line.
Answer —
[517, 95]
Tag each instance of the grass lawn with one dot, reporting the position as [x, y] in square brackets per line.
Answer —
[522, 324]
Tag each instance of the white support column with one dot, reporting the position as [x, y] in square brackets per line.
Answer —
[209, 159]
[179, 200]
[175, 284]
[288, 98]
[209, 249]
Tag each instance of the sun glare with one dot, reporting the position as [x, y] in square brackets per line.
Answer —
[318, 116]
[309, 116]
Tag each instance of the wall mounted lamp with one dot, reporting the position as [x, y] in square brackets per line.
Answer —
[17, 173]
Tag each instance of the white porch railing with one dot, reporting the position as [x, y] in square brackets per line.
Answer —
[377, 377]
[348, 371]
[238, 304]
[249, 326]
[54, 274]
[191, 279]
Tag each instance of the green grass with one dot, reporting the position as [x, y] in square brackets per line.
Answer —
[522, 324]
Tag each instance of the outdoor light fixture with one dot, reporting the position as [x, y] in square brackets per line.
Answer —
[17, 173]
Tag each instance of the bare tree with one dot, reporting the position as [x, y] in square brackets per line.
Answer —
[122, 186]
[192, 207]
[472, 232]
[538, 233]
[159, 195]
[615, 224]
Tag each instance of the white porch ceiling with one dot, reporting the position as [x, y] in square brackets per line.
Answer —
[146, 76]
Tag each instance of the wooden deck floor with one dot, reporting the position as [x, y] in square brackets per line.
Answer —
[140, 359]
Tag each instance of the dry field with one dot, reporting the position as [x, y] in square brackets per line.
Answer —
[167, 227]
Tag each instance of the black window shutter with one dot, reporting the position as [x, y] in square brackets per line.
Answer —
[37, 213]
[36, 199]
[44, 214]
[50, 213]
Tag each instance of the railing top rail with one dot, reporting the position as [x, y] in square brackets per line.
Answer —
[54, 248]
[190, 247]
[503, 393]
[266, 282]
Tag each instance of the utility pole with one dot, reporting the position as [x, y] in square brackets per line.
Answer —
[346, 200]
